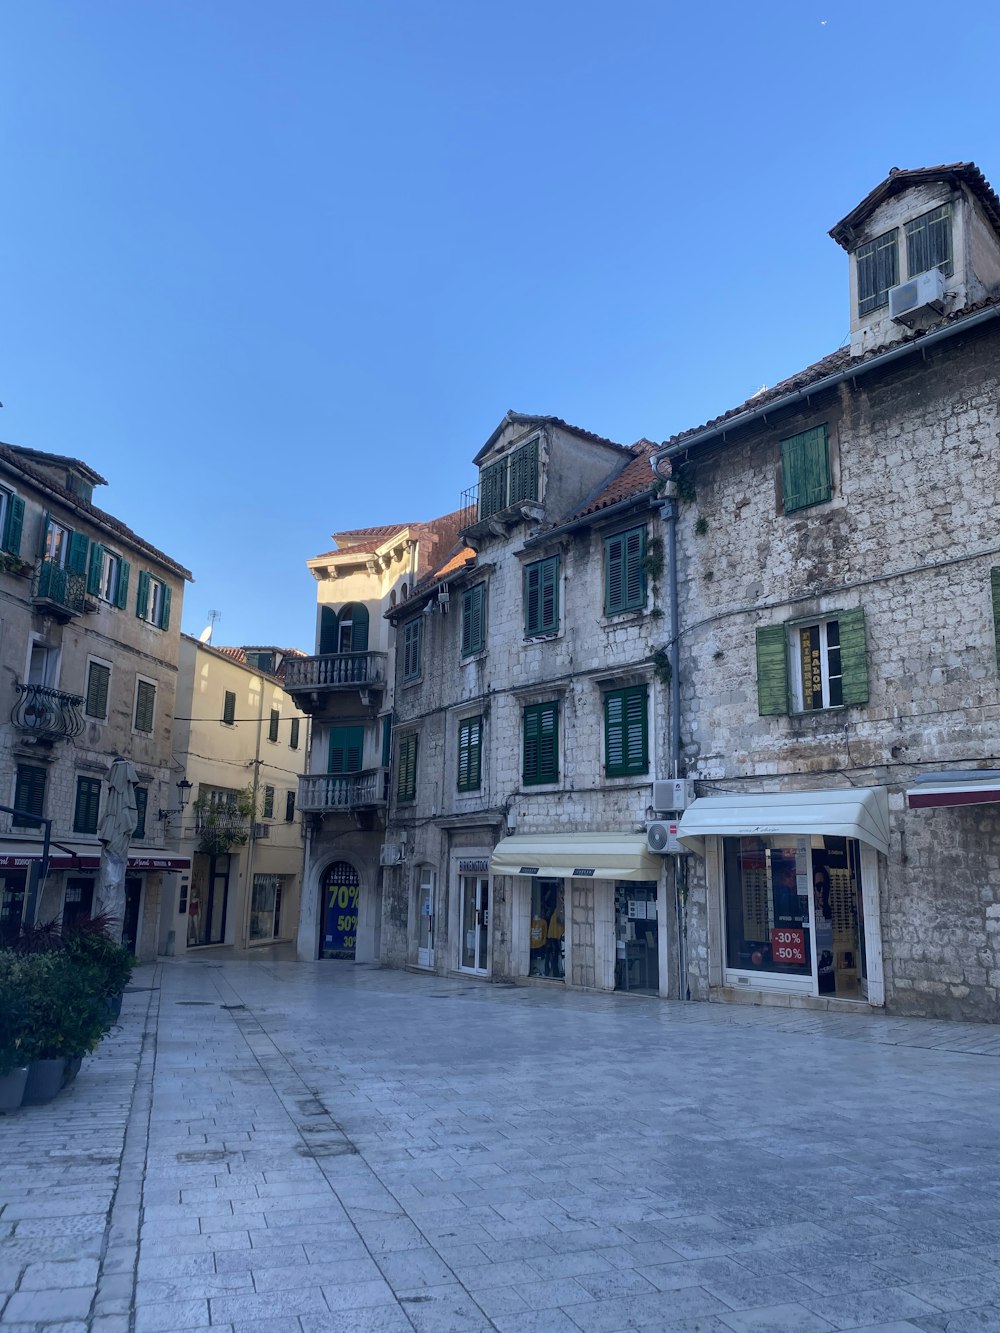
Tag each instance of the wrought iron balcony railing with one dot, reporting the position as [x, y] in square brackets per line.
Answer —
[47, 713]
[59, 588]
[321, 792]
[335, 671]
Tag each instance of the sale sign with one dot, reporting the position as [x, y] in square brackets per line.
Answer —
[788, 946]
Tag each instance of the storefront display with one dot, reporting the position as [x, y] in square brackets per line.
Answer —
[548, 929]
[341, 895]
[636, 937]
[475, 923]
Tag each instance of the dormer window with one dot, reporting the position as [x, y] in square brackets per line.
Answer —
[510, 480]
[928, 242]
[878, 270]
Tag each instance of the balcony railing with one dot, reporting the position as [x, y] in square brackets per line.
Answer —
[319, 792]
[47, 713]
[58, 588]
[335, 671]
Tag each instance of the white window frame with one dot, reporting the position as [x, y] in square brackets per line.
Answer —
[111, 568]
[795, 663]
[53, 661]
[56, 543]
[5, 498]
[103, 662]
[145, 680]
[154, 607]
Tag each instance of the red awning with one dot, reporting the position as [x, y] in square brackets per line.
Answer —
[954, 793]
[89, 861]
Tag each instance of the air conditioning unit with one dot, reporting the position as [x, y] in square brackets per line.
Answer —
[673, 794]
[910, 300]
[390, 854]
[661, 837]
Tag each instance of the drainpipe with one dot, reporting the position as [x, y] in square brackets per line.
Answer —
[668, 511]
[248, 886]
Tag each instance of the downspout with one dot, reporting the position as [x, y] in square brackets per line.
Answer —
[668, 511]
[248, 887]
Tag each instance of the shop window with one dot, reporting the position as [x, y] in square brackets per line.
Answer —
[265, 907]
[470, 732]
[547, 957]
[805, 469]
[803, 667]
[625, 571]
[541, 743]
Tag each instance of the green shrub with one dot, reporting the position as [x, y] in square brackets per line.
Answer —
[13, 1012]
[89, 944]
[66, 1014]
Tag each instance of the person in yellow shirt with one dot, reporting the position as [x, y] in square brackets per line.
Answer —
[539, 936]
[555, 931]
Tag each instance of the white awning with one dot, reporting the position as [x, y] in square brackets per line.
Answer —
[576, 856]
[924, 796]
[857, 812]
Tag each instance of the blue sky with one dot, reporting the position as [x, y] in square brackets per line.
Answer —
[279, 269]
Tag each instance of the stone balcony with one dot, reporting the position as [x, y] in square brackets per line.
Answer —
[323, 793]
[314, 681]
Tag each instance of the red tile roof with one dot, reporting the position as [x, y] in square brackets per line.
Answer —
[904, 178]
[633, 479]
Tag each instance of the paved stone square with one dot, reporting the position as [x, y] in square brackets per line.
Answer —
[267, 1146]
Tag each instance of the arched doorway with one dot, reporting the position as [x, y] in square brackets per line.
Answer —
[340, 892]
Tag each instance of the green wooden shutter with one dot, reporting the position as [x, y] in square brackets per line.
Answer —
[94, 570]
[141, 803]
[493, 488]
[406, 773]
[293, 734]
[142, 595]
[13, 524]
[635, 568]
[614, 574]
[387, 740]
[532, 600]
[541, 597]
[772, 670]
[43, 531]
[88, 800]
[98, 680]
[626, 731]
[274, 722]
[469, 753]
[144, 704]
[359, 628]
[29, 796]
[229, 708]
[995, 591]
[550, 595]
[412, 637]
[472, 620]
[853, 656]
[289, 806]
[541, 743]
[164, 607]
[805, 469]
[76, 560]
[328, 630]
[121, 591]
[346, 749]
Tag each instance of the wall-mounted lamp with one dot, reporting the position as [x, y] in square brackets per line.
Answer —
[183, 792]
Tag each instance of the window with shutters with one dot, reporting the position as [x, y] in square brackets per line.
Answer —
[406, 768]
[524, 473]
[492, 488]
[470, 737]
[541, 743]
[473, 620]
[805, 469]
[107, 575]
[29, 796]
[625, 571]
[289, 806]
[541, 597]
[274, 723]
[229, 708]
[347, 747]
[152, 602]
[268, 810]
[145, 704]
[11, 521]
[88, 803]
[928, 242]
[95, 704]
[141, 802]
[293, 738]
[803, 667]
[510, 480]
[413, 638]
[626, 732]
[56, 542]
[878, 270]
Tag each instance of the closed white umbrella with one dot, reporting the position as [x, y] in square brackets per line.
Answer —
[115, 832]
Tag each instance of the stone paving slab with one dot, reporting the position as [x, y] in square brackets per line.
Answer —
[263, 1147]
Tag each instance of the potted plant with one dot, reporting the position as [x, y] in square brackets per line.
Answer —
[91, 944]
[67, 1017]
[13, 1022]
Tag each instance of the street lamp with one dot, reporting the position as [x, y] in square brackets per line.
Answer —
[183, 792]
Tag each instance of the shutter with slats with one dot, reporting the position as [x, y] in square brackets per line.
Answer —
[635, 569]
[346, 749]
[541, 743]
[493, 488]
[229, 708]
[772, 670]
[469, 733]
[614, 732]
[853, 656]
[164, 607]
[13, 524]
[98, 680]
[121, 590]
[359, 629]
[29, 795]
[328, 630]
[614, 574]
[76, 560]
[472, 620]
[88, 799]
[805, 469]
[406, 776]
[94, 569]
[626, 731]
[142, 595]
[141, 802]
[43, 531]
[550, 595]
[144, 704]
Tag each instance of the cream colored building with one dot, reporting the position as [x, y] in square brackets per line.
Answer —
[89, 616]
[241, 744]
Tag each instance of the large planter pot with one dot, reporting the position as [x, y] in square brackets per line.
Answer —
[45, 1079]
[72, 1069]
[12, 1089]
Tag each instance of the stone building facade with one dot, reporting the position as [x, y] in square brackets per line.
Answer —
[241, 744]
[838, 651]
[89, 616]
[530, 721]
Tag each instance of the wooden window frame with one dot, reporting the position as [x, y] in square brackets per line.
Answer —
[625, 570]
[626, 731]
[540, 581]
[806, 475]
